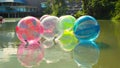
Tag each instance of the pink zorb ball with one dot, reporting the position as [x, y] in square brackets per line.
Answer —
[29, 28]
[31, 55]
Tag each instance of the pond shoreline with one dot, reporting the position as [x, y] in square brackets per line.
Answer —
[8, 20]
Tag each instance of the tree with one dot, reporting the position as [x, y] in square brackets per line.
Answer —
[78, 14]
[116, 13]
[98, 8]
[57, 7]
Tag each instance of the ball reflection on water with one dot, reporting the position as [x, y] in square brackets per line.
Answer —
[30, 55]
[86, 54]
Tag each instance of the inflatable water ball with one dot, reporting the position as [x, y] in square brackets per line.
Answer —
[86, 28]
[29, 28]
[52, 29]
[43, 17]
[67, 22]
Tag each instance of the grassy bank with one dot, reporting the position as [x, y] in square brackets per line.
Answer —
[12, 19]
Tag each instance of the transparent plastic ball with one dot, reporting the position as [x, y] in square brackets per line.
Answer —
[43, 17]
[29, 28]
[86, 28]
[52, 28]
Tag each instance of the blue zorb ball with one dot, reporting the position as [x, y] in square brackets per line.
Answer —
[86, 28]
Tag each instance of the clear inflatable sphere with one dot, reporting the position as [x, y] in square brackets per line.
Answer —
[52, 28]
[86, 28]
[43, 17]
[29, 28]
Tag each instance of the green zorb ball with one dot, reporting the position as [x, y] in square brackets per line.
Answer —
[67, 22]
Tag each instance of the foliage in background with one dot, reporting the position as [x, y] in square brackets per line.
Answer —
[78, 14]
[47, 9]
[56, 7]
[100, 9]
[116, 13]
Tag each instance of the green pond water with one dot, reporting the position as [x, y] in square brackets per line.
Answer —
[56, 57]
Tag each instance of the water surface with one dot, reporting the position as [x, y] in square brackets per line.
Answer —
[55, 57]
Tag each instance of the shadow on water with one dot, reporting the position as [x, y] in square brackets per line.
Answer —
[107, 38]
[103, 45]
